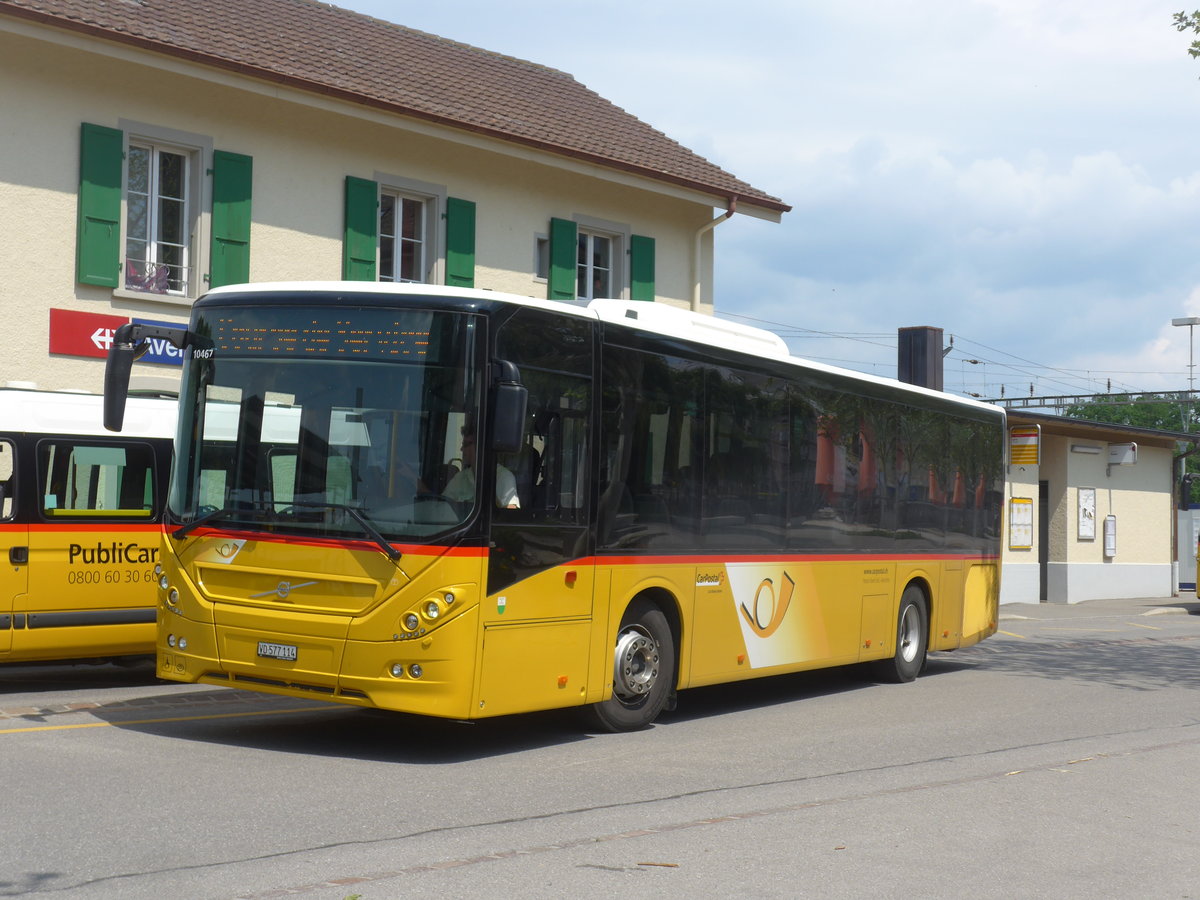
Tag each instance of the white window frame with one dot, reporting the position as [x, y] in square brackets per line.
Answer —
[618, 235]
[197, 151]
[433, 200]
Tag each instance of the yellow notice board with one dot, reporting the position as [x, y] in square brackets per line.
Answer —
[1024, 444]
[1020, 523]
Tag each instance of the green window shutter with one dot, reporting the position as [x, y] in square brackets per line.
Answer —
[562, 283]
[98, 238]
[362, 229]
[232, 177]
[460, 242]
[641, 268]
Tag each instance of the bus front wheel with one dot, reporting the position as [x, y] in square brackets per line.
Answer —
[643, 669]
[912, 639]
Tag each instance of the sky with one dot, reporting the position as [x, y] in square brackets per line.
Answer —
[1023, 174]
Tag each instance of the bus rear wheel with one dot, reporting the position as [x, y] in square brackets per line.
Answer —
[643, 671]
[912, 639]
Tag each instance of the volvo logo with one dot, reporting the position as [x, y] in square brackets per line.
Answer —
[283, 589]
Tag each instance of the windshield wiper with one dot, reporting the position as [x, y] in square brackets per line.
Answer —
[224, 512]
[363, 522]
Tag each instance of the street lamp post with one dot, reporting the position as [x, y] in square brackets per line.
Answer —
[1191, 322]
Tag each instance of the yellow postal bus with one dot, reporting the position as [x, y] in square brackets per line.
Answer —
[460, 503]
[80, 525]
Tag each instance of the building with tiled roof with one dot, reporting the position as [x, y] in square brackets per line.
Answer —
[151, 149]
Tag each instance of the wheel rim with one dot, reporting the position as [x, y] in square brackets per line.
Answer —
[910, 633]
[635, 664]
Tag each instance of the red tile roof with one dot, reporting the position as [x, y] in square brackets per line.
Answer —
[317, 47]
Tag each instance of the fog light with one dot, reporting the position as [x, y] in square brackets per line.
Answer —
[411, 622]
[170, 640]
[449, 598]
[183, 643]
[415, 670]
[163, 583]
[432, 610]
[398, 670]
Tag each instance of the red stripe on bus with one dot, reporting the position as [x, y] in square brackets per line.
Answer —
[775, 558]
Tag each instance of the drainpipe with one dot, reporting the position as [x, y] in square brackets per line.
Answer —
[730, 209]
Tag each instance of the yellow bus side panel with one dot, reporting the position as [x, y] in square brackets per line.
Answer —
[981, 608]
[77, 579]
[531, 666]
[785, 616]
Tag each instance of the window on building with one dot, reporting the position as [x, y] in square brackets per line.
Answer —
[594, 267]
[403, 230]
[403, 238]
[541, 257]
[590, 258]
[141, 191]
[157, 232]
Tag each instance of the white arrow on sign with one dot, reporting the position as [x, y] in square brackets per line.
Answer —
[102, 338]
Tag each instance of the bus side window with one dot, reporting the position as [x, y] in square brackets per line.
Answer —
[91, 479]
[7, 482]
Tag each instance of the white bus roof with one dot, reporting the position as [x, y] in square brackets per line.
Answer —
[67, 412]
[659, 318]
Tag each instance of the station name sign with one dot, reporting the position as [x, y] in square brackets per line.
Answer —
[91, 334]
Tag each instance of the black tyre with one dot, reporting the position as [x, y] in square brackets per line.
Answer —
[912, 639]
[643, 671]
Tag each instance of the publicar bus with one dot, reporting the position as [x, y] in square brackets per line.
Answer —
[460, 503]
[80, 525]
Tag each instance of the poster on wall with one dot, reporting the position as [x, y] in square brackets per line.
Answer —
[1020, 523]
[1087, 514]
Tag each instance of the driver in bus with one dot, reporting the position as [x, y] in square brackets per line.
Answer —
[462, 486]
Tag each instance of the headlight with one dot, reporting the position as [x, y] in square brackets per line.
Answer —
[432, 610]
[163, 583]
[449, 598]
[411, 622]
[173, 597]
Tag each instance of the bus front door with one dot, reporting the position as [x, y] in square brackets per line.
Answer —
[14, 547]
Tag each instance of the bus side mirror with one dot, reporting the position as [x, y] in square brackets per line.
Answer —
[121, 354]
[130, 343]
[509, 400]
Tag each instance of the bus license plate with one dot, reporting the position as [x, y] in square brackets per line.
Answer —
[276, 651]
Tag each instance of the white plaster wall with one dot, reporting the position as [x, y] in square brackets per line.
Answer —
[1019, 571]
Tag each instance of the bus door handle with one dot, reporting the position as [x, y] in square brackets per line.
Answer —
[18, 556]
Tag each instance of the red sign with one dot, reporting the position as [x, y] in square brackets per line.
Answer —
[82, 334]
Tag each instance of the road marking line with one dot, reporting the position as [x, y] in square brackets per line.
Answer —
[1013, 634]
[236, 715]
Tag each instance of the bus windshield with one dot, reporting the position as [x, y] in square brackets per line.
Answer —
[337, 422]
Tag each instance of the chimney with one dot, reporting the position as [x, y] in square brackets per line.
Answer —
[919, 357]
